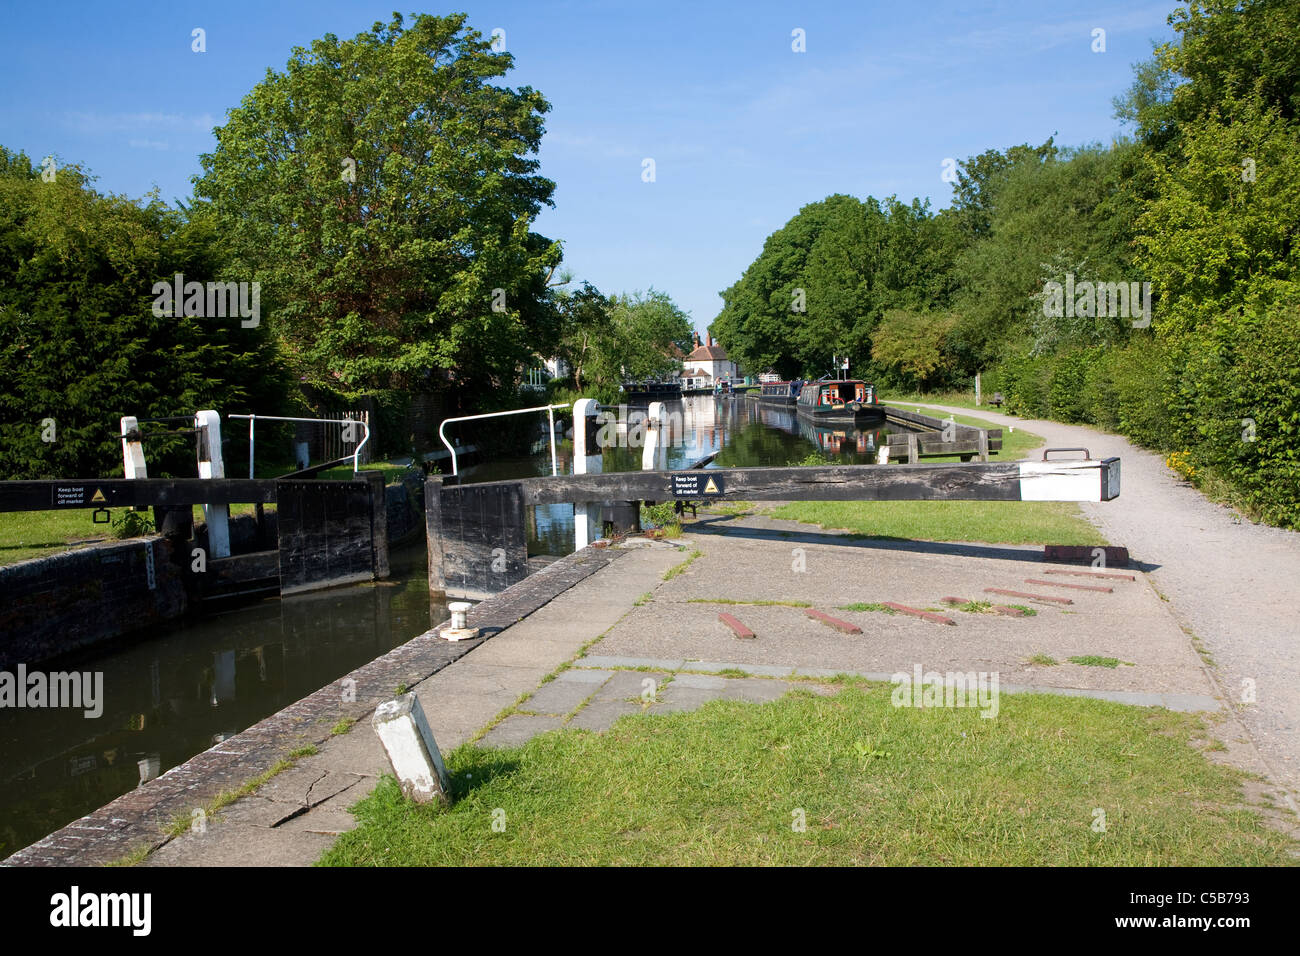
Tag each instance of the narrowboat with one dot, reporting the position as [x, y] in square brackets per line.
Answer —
[839, 400]
[779, 393]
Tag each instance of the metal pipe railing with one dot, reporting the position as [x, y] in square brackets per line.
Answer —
[356, 454]
[550, 416]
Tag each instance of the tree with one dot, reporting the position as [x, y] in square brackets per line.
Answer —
[586, 329]
[912, 344]
[382, 190]
[80, 343]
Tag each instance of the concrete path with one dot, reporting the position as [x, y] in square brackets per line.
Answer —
[294, 818]
[1232, 584]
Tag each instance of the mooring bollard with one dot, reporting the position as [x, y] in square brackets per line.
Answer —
[412, 751]
[460, 629]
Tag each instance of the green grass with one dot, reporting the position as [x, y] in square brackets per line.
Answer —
[1092, 660]
[1015, 444]
[36, 534]
[876, 784]
[343, 726]
[962, 399]
[679, 568]
[1042, 660]
[866, 607]
[995, 522]
[392, 472]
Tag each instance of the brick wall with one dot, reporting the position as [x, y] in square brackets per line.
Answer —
[52, 605]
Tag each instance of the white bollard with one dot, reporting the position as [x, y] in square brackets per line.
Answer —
[412, 751]
[132, 450]
[586, 514]
[460, 629]
[211, 466]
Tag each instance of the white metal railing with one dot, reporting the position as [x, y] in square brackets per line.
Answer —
[252, 419]
[550, 417]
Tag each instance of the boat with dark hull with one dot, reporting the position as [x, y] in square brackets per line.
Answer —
[779, 393]
[845, 401]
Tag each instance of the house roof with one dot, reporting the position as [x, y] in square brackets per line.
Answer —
[708, 353]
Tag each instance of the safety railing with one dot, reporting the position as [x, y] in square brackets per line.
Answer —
[252, 422]
[550, 417]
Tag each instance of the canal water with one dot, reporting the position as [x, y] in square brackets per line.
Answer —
[172, 695]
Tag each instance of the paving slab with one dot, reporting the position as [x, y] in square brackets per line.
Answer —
[235, 844]
[558, 697]
[582, 676]
[600, 715]
[604, 661]
[625, 684]
[518, 729]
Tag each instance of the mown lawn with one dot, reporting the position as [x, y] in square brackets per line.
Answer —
[874, 784]
[994, 522]
[35, 534]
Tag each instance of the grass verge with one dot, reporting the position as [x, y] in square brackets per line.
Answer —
[730, 783]
[994, 522]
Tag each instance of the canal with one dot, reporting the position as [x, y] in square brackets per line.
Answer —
[174, 694]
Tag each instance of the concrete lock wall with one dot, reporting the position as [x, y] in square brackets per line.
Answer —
[60, 603]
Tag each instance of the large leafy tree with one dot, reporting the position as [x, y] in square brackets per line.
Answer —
[382, 189]
[824, 280]
[80, 344]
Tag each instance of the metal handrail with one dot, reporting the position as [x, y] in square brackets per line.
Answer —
[356, 454]
[550, 416]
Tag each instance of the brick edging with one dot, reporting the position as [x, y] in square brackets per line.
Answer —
[141, 816]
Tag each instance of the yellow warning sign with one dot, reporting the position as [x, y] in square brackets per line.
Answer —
[98, 496]
[710, 488]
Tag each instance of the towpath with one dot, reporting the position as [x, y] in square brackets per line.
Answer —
[1232, 584]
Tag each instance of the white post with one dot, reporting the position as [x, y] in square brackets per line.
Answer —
[977, 388]
[211, 466]
[413, 753]
[653, 452]
[132, 450]
[586, 514]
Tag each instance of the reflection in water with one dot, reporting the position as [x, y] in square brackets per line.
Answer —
[171, 696]
[742, 431]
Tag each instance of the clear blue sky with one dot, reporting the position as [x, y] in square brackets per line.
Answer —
[743, 130]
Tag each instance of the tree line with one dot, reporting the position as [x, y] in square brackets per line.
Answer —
[1177, 246]
[379, 192]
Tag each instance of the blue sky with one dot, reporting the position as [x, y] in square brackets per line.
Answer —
[743, 130]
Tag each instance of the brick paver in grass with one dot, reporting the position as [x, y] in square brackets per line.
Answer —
[844, 627]
[1029, 597]
[917, 612]
[1066, 584]
[740, 629]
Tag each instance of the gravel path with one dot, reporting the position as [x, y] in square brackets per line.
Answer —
[1233, 584]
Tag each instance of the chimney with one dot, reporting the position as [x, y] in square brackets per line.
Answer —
[710, 340]
[697, 339]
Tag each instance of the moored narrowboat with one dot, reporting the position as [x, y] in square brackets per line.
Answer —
[779, 393]
[839, 400]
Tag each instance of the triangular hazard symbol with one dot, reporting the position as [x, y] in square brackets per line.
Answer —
[98, 496]
[710, 488]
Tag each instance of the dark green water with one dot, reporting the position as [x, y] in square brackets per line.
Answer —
[172, 695]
